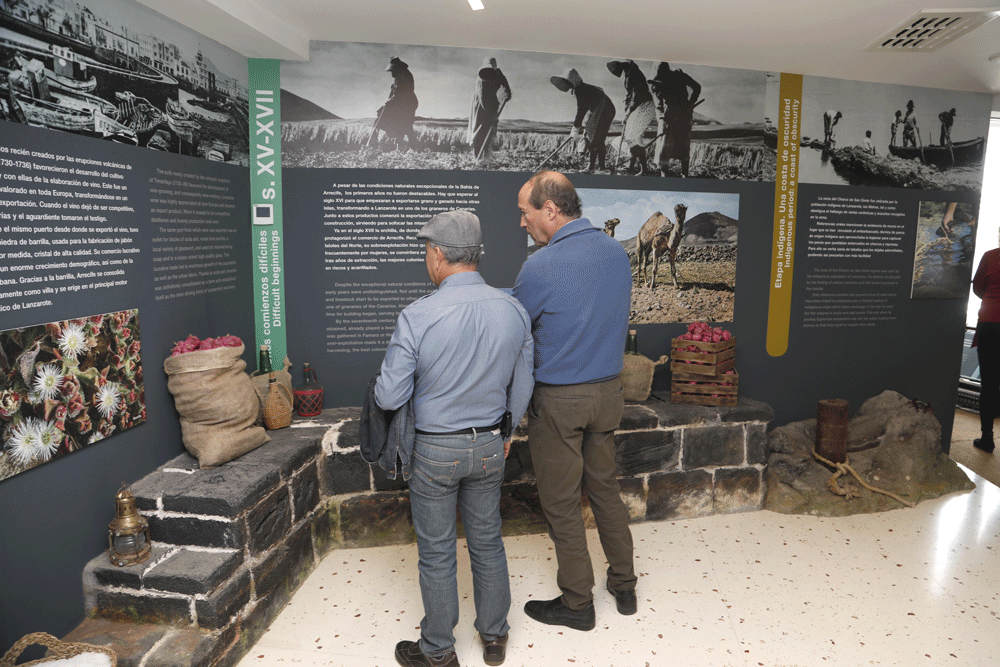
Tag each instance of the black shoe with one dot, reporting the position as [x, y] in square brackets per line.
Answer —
[625, 600]
[408, 654]
[494, 651]
[554, 612]
[986, 445]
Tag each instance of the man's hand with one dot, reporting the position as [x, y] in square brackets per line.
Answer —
[506, 449]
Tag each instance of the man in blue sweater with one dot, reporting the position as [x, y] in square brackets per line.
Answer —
[577, 289]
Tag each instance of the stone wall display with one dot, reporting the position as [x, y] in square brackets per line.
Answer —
[232, 543]
[893, 444]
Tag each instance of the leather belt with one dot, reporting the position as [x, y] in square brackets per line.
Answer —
[464, 431]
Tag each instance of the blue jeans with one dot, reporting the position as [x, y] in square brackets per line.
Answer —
[464, 472]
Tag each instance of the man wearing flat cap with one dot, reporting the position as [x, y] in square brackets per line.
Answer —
[464, 353]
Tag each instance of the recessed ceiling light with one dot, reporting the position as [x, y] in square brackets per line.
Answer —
[994, 57]
[476, 4]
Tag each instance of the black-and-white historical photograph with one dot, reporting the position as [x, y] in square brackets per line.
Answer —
[116, 70]
[869, 134]
[682, 246]
[946, 243]
[420, 107]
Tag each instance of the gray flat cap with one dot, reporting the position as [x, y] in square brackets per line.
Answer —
[454, 229]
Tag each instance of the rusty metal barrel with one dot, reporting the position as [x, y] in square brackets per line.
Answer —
[831, 429]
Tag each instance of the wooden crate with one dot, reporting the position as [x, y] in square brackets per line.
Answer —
[715, 358]
[698, 389]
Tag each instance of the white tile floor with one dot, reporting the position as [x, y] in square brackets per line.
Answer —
[908, 587]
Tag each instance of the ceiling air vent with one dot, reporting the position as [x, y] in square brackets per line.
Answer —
[931, 29]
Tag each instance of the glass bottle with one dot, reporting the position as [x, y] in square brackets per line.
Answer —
[632, 347]
[264, 361]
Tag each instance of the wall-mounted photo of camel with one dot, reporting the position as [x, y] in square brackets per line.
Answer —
[682, 246]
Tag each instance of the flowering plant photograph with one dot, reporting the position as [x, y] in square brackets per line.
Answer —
[65, 385]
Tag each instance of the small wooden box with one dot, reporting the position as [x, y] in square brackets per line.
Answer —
[698, 389]
[714, 359]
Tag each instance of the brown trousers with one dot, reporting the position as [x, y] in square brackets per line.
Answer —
[571, 432]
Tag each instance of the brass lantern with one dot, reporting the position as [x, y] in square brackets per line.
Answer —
[128, 532]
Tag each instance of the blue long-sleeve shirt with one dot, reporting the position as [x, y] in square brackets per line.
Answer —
[578, 292]
[464, 352]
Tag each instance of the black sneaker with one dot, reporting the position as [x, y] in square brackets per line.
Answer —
[408, 654]
[554, 612]
[986, 445]
[625, 600]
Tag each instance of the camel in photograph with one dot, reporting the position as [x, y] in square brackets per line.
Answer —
[658, 236]
[609, 226]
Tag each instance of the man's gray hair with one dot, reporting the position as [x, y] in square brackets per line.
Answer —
[466, 255]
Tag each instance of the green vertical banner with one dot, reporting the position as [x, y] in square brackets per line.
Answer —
[265, 206]
[786, 204]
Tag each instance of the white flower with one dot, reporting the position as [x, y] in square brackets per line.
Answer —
[107, 399]
[49, 438]
[73, 342]
[48, 382]
[23, 441]
[97, 436]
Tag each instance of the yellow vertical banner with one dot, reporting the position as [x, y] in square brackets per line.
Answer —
[786, 200]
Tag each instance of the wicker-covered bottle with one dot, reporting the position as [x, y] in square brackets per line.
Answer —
[278, 406]
[309, 394]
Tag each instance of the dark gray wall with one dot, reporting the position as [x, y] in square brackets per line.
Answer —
[55, 517]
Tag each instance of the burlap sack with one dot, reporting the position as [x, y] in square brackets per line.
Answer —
[637, 376]
[218, 407]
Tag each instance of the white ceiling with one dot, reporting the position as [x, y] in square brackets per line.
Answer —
[813, 37]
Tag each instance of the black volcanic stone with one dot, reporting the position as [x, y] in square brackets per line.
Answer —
[193, 647]
[720, 445]
[345, 472]
[186, 530]
[521, 510]
[305, 492]
[286, 564]
[220, 607]
[638, 452]
[130, 641]
[376, 520]
[288, 450]
[106, 573]
[756, 444]
[151, 488]
[193, 572]
[519, 466]
[138, 608]
[269, 521]
[679, 495]
[738, 490]
[227, 490]
[638, 416]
